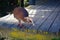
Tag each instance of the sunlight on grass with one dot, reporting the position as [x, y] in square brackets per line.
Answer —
[28, 36]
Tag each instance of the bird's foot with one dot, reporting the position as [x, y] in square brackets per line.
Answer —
[21, 26]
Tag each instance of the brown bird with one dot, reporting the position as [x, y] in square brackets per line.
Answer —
[21, 14]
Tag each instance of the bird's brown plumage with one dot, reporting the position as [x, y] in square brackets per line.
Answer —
[19, 14]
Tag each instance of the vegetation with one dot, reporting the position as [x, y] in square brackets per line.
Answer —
[16, 34]
[19, 35]
[26, 3]
[9, 5]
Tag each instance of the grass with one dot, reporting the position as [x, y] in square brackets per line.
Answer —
[19, 35]
[16, 34]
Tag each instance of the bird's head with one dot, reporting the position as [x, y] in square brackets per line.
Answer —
[29, 20]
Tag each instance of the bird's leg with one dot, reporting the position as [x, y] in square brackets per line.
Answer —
[20, 24]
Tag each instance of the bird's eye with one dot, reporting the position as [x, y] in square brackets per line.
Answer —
[30, 20]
